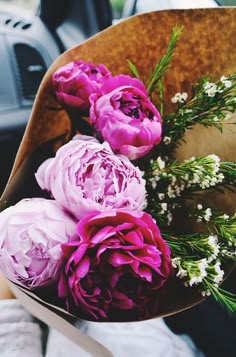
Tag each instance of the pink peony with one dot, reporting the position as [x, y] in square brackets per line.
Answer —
[32, 232]
[116, 268]
[125, 117]
[74, 82]
[86, 177]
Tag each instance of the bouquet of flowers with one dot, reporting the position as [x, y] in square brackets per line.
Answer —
[115, 220]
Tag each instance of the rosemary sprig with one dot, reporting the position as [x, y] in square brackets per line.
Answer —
[228, 169]
[154, 82]
[222, 224]
[160, 89]
[226, 299]
[133, 69]
[225, 228]
[164, 63]
[193, 246]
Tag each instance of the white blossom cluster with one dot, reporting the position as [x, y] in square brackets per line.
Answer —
[205, 214]
[226, 227]
[224, 117]
[166, 211]
[228, 254]
[226, 82]
[216, 273]
[195, 272]
[214, 247]
[204, 172]
[192, 271]
[180, 97]
[208, 245]
[167, 140]
[203, 266]
[211, 88]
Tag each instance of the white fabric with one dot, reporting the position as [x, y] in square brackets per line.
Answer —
[148, 338]
[20, 337]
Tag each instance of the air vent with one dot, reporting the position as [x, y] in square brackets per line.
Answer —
[31, 68]
[17, 23]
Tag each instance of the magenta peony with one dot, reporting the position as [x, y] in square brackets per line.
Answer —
[32, 232]
[118, 265]
[74, 82]
[86, 177]
[125, 117]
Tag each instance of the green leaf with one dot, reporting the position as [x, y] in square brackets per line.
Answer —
[133, 69]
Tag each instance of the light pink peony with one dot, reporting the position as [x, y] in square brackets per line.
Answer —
[116, 268]
[85, 177]
[74, 82]
[32, 232]
[125, 117]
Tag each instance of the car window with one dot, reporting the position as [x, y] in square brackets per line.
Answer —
[124, 8]
[117, 8]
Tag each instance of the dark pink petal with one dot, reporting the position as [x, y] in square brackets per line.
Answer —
[115, 278]
[145, 272]
[63, 287]
[102, 234]
[82, 268]
[135, 237]
[79, 253]
[70, 100]
[124, 226]
[117, 259]
[121, 301]
[122, 80]
[68, 248]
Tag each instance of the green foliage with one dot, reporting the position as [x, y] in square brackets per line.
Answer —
[164, 63]
[117, 7]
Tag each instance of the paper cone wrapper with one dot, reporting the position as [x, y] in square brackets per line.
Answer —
[206, 47]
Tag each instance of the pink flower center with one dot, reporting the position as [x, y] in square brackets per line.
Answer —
[132, 106]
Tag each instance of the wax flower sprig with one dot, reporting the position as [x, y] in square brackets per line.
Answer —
[221, 224]
[217, 242]
[209, 104]
[199, 257]
[194, 245]
[206, 276]
[168, 185]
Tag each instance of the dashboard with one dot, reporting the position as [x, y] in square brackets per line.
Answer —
[27, 49]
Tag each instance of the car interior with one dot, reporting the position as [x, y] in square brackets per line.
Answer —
[32, 35]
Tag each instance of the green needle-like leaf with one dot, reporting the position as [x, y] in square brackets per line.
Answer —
[164, 63]
[133, 69]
